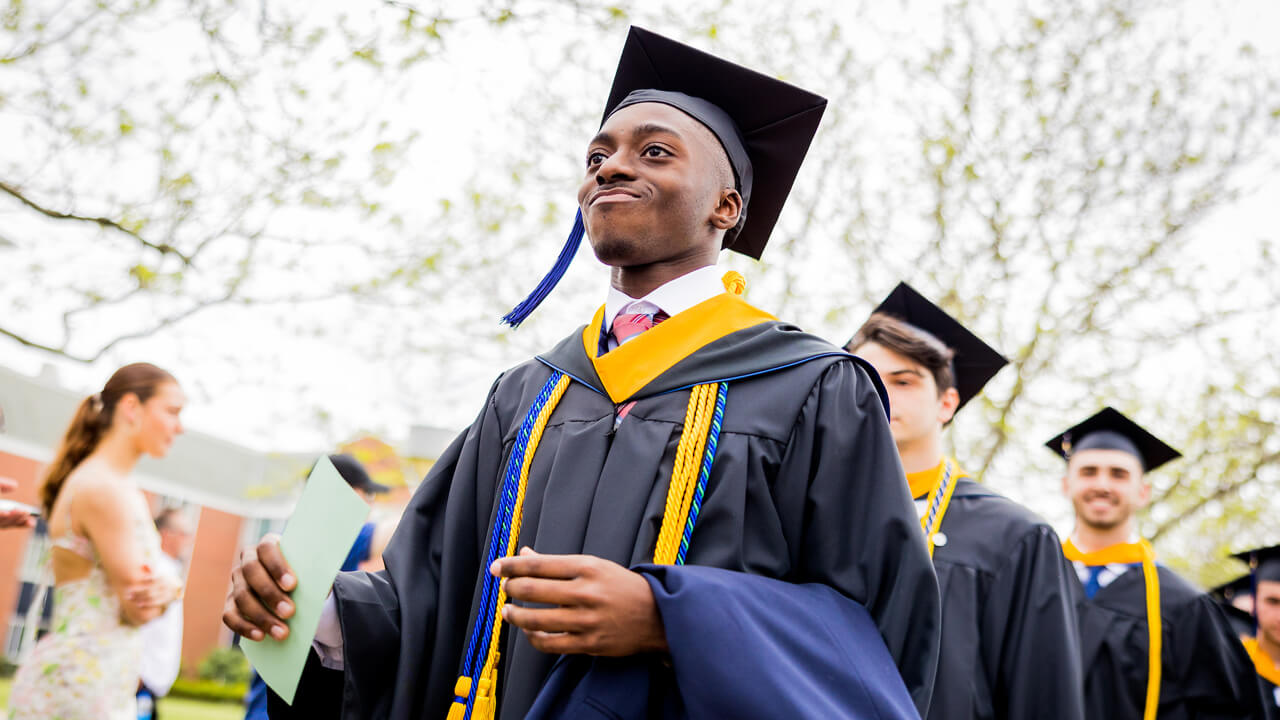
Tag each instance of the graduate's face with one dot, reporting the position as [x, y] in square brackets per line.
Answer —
[657, 188]
[1106, 487]
[1267, 607]
[916, 409]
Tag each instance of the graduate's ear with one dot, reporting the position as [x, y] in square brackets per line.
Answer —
[727, 210]
[1144, 491]
[1066, 484]
[948, 403]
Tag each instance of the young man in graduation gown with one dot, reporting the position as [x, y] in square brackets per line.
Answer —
[1010, 644]
[1153, 646]
[698, 510]
[1263, 646]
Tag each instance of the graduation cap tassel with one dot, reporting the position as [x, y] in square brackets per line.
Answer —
[567, 253]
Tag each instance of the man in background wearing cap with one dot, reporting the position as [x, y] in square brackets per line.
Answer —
[1010, 645]
[1152, 645]
[1264, 648]
[698, 510]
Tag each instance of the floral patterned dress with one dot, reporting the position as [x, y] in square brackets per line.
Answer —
[86, 666]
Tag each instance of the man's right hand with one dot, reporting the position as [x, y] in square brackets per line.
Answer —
[259, 603]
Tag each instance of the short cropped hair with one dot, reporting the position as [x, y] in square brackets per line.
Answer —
[166, 518]
[910, 342]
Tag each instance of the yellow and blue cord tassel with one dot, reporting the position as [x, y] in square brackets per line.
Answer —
[687, 473]
[471, 696]
[713, 440]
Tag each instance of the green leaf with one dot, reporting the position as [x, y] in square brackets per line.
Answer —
[145, 278]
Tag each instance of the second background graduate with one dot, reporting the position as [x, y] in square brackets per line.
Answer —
[1009, 633]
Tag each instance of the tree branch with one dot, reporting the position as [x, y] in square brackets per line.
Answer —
[162, 248]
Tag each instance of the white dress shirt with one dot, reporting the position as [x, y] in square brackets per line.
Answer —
[162, 640]
[673, 297]
[1109, 573]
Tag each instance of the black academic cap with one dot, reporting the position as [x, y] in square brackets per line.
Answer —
[765, 125]
[975, 362]
[354, 473]
[1109, 429]
[1231, 589]
[1264, 563]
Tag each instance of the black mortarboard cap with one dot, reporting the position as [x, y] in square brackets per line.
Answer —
[1241, 621]
[354, 473]
[975, 362]
[764, 125]
[1264, 563]
[1109, 429]
[1231, 589]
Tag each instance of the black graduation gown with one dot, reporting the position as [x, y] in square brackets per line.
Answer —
[1270, 693]
[1206, 672]
[1010, 646]
[1270, 698]
[806, 487]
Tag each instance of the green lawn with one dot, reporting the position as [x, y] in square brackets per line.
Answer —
[170, 708]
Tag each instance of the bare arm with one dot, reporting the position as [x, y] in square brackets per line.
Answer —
[16, 517]
[108, 518]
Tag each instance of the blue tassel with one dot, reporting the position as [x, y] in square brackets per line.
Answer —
[529, 304]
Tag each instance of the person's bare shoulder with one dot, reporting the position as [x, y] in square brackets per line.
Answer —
[97, 490]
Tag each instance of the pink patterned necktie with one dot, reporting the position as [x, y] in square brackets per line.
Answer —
[625, 327]
[628, 325]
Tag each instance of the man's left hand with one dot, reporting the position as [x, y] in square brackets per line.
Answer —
[599, 607]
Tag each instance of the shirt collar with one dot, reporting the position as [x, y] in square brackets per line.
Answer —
[673, 297]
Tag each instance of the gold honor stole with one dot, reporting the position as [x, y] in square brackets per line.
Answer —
[938, 483]
[627, 369]
[1262, 662]
[1128, 554]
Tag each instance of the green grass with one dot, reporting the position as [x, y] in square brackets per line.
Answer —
[170, 708]
[184, 709]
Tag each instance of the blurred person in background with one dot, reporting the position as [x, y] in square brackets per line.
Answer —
[1235, 597]
[162, 637]
[1152, 644]
[1263, 640]
[105, 556]
[12, 516]
[1010, 641]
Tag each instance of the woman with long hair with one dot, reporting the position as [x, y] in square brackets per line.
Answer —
[105, 552]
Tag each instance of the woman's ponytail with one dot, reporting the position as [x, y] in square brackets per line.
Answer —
[86, 429]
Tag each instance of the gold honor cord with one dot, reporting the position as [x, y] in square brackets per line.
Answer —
[1154, 633]
[939, 501]
[684, 473]
[1127, 554]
